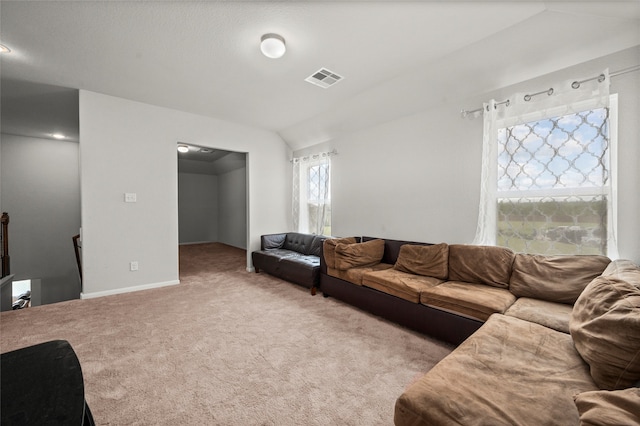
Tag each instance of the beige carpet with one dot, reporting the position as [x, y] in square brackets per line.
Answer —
[228, 347]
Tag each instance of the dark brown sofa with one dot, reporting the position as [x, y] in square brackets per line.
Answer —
[292, 256]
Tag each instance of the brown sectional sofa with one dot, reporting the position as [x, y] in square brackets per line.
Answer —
[551, 339]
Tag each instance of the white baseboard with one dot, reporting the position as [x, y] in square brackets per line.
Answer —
[127, 289]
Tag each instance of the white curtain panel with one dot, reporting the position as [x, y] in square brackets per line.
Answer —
[486, 230]
[536, 159]
[295, 196]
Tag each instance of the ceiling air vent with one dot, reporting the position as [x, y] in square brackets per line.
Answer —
[324, 78]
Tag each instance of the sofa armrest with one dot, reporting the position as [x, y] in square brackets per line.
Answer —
[272, 241]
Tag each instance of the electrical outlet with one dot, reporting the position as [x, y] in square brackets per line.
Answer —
[130, 197]
[133, 266]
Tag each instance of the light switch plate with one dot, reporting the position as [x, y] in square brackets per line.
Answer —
[130, 197]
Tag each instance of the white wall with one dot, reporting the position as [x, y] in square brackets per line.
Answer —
[197, 208]
[417, 177]
[41, 192]
[232, 203]
[128, 146]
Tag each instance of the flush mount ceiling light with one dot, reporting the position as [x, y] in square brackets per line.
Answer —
[58, 136]
[272, 46]
[183, 148]
[4, 49]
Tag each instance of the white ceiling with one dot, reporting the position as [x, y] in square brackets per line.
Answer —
[397, 57]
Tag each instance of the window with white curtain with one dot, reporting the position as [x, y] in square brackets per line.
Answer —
[312, 194]
[548, 182]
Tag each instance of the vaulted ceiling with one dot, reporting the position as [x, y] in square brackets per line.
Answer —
[397, 58]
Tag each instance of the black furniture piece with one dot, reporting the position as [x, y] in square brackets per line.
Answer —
[291, 256]
[434, 322]
[43, 385]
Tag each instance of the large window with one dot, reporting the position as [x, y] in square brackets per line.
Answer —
[553, 184]
[312, 194]
[317, 181]
[319, 198]
[548, 181]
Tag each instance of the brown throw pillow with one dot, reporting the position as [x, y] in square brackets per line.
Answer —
[360, 254]
[609, 408]
[605, 326]
[329, 249]
[429, 261]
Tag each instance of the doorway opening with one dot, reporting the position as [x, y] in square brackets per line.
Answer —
[21, 294]
[212, 196]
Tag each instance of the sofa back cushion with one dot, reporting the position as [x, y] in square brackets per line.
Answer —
[558, 279]
[298, 242]
[488, 265]
[392, 248]
[359, 254]
[316, 245]
[429, 261]
[329, 249]
[605, 326]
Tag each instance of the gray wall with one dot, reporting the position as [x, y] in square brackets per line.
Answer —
[232, 201]
[213, 208]
[40, 190]
[418, 177]
[197, 208]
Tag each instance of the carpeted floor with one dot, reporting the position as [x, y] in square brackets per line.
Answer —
[228, 347]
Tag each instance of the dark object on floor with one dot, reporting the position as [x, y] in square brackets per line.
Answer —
[42, 384]
[291, 256]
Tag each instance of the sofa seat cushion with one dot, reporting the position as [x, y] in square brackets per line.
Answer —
[304, 260]
[354, 275]
[549, 314]
[289, 265]
[605, 326]
[477, 301]
[488, 265]
[400, 284]
[609, 408]
[368, 253]
[430, 261]
[509, 372]
[554, 278]
[279, 253]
